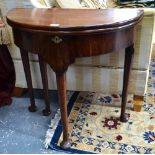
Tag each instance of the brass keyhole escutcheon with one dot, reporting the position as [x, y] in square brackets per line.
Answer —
[56, 39]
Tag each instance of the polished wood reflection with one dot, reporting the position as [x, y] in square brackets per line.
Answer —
[59, 36]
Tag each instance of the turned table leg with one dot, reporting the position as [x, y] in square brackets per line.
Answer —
[127, 68]
[43, 69]
[61, 85]
[26, 65]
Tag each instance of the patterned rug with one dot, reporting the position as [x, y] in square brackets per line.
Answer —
[94, 124]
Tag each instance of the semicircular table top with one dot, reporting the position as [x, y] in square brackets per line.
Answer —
[73, 19]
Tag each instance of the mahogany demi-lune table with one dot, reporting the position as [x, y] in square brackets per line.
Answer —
[59, 36]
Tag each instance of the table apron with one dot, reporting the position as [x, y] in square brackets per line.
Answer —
[82, 45]
[65, 48]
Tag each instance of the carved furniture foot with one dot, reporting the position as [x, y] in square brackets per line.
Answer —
[32, 108]
[46, 112]
[26, 65]
[43, 70]
[138, 102]
[65, 144]
[124, 118]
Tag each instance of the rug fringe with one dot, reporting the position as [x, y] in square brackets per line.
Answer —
[51, 130]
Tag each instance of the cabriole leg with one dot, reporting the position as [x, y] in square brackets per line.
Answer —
[26, 65]
[61, 85]
[127, 68]
[43, 69]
